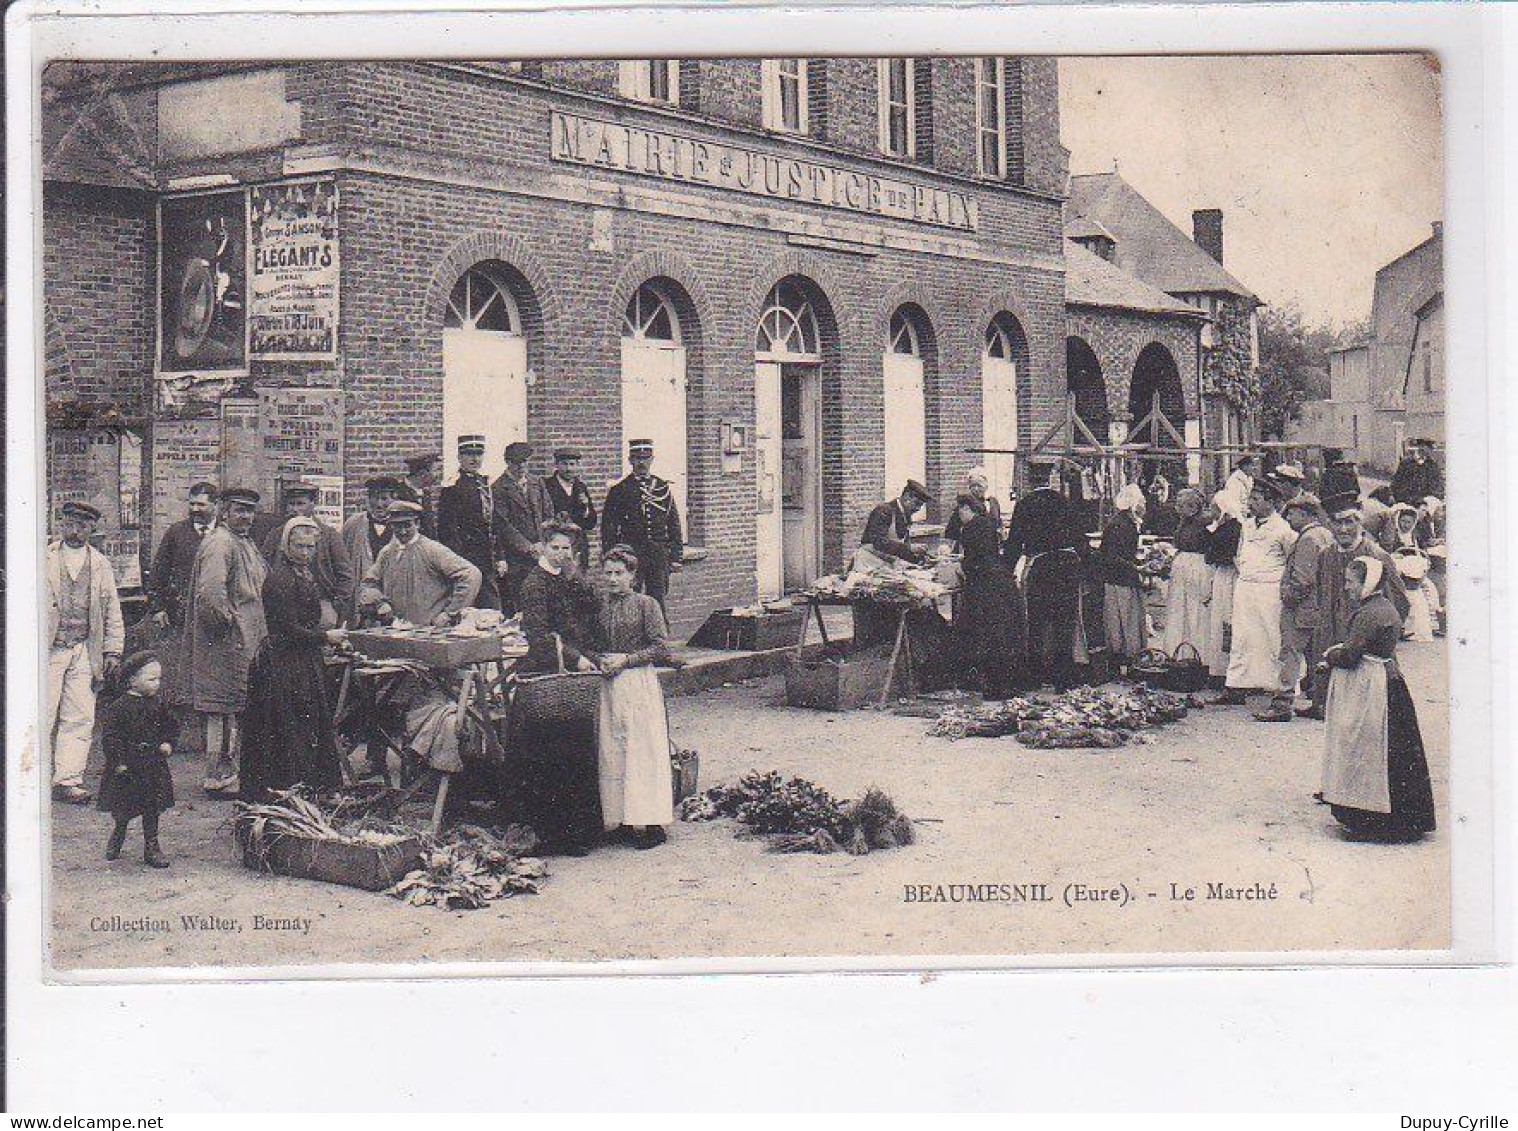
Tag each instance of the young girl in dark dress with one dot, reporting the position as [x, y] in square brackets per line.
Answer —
[1375, 773]
[137, 735]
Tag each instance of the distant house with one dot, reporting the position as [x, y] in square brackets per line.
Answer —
[1156, 313]
[1391, 388]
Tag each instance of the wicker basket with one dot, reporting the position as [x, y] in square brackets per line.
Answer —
[1185, 673]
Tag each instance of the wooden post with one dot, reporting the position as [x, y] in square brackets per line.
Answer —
[901, 632]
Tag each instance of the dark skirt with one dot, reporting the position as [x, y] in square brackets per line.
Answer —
[554, 723]
[287, 733]
[990, 633]
[1412, 795]
[146, 788]
[1053, 585]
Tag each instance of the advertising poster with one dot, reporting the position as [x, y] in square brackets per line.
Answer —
[242, 463]
[202, 283]
[185, 452]
[292, 314]
[301, 433]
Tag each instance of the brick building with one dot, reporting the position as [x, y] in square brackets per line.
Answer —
[738, 257]
[1109, 218]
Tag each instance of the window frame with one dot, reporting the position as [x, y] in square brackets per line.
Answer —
[885, 104]
[999, 84]
[772, 96]
[635, 80]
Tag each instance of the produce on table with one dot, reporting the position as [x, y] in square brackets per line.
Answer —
[468, 866]
[1100, 717]
[886, 584]
[801, 816]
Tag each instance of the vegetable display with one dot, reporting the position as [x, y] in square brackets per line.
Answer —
[800, 816]
[1081, 718]
[886, 584]
[469, 866]
[1154, 560]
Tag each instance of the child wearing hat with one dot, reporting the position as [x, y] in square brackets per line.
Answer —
[137, 736]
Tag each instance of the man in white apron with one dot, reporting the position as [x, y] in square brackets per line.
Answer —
[1254, 661]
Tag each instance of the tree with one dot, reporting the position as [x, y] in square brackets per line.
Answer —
[1294, 365]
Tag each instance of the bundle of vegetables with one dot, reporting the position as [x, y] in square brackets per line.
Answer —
[1155, 560]
[801, 816]
[1102, 717]
[886, 584]
[291, 814]
[469, 866]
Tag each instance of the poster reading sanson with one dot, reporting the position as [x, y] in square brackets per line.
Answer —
[293, 239]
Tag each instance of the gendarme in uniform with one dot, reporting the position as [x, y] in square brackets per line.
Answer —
[641, 513]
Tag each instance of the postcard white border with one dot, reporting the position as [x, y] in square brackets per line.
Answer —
[51, 1025]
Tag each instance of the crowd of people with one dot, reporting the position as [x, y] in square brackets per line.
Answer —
[243, 603]
[1299, 596]
[1277, 590]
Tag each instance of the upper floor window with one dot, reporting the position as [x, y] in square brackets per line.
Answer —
[898, 107]
[990, 116]
[785, 95]
[651, 80]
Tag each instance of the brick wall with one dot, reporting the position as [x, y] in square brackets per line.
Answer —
[1044, 161]
[1118, 337]
[98, 268]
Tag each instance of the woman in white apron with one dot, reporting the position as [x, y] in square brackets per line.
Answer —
[1375, 773]
[636, 786]
[1188, 617]
[1223, 534]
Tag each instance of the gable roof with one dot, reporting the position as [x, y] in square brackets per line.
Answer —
[1148, 245]
[1091, 281]
[1085, 228]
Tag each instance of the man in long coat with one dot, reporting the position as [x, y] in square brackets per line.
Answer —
[85, 635]
[522, 506]
[467, 523]
[169, 586]
[1301, 605]
[641, 513]
[1254, 657]
[224, 627]
[331, 567]
[1045, 529]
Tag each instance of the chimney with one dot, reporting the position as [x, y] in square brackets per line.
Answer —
[1207, 231]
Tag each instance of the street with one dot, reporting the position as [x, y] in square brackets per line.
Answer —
[1204, 838]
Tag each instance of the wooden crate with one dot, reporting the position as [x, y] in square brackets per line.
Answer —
[436, 651]
[726, 632]
[368, 866]
[840, 682]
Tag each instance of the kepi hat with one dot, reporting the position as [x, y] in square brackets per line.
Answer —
[640, 447]
[917, 489]
[473, 442]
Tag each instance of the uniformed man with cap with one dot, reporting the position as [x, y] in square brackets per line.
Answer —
[224, 628]
[85, 638]
[641, 513]
[570, 500]
[423, 470]
[331, 568]
[521, 507]
[467, 522]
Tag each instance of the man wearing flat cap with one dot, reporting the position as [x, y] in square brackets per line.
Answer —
[423, 470]
[641, 513]
[1254, 658]
[331, 567]
[85, 638]
[570, 500]
[224, 628]
[888, 530]
[521, 507]
[467, 522]
[415, 578]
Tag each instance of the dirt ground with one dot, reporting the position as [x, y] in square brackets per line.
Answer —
[1215, 799]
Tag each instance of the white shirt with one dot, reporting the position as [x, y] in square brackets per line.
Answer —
[74, 558]
[1263, 549]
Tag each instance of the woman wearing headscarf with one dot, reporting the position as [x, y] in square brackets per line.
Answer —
[1225, 527]
[1117, 565]
[1188, 617]
[991, 616]
[1375, 773]
[632, 638]
[1402, 538]
[288, 736]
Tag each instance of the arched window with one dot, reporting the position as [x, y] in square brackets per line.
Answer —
[999, 342]
[481, 300]
[904, 336]
[650, 316]
[788, 326]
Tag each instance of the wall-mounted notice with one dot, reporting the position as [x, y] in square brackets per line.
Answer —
[293, 288]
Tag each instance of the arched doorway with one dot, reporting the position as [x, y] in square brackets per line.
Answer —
[1004, 356]
[484, 364]
[654, 382]
[788, 438]
[1155, 399]
[906, 406]
[1083, 379]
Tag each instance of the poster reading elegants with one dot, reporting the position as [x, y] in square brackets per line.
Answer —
[293, 230]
